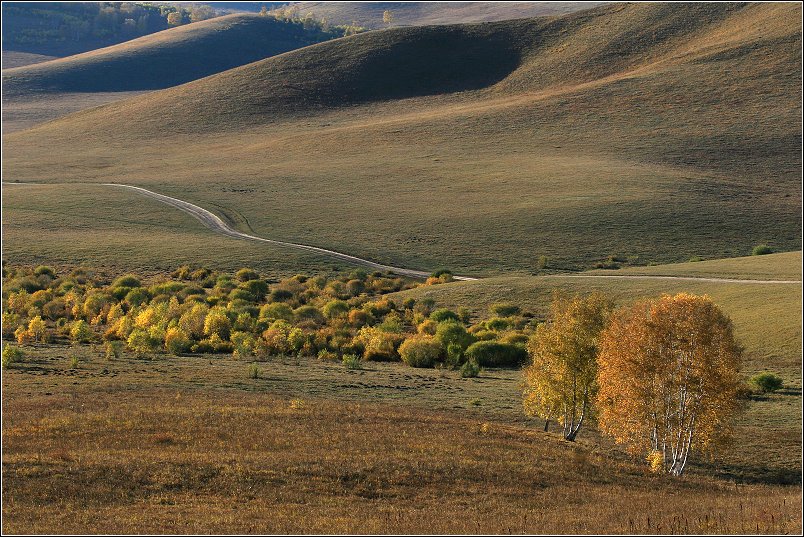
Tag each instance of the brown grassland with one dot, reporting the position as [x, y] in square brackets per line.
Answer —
[177, 445]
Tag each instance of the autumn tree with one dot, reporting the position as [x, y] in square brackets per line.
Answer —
[387, 17]
[561, 381]
[668, 378]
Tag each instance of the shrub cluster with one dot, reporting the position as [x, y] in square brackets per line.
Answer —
[197, 310]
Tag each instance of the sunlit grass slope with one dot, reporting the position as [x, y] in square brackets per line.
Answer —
[662, 131]
[370, 14]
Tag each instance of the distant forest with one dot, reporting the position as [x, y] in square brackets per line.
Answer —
[65, 28]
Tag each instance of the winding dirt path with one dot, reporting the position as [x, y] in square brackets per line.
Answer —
[214, 223]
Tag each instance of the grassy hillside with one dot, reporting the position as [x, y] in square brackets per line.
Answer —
[370, 14]
[166, 58]
[661, 131]
[40, 92]
[18, 59]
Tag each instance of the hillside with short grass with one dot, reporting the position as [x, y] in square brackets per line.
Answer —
[43, 91]
[654, 132]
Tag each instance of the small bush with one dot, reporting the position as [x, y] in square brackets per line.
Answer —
[81, 332]
[12, 355]
[352, 361]
[254, 371]
[444, 314]
[74, 362]
[470, 369]
[504, 309]
[327, 355]
[113, 349]
[245, 274]
[129, 280]
[766, 382]
[453, 332]
[421, 351]
[761, 249]
[495, 354]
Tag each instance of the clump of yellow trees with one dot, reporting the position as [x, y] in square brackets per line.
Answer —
[660, 376]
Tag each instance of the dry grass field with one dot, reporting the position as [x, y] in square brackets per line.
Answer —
[195, 445]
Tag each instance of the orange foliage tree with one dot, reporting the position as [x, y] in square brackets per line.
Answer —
[561, 380]
[668, 378]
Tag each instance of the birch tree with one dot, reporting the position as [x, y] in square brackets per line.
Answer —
[561, 381]
[668, 378]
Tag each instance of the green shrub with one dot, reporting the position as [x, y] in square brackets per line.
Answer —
[766, 382]
[44, 271]
[470, 369]
[257, 288]
[12, 355]
[81, 332]
[276, 310]
[444, 314]
[420, 351]
[166, 288]
[308, 313]
[454, 355]
[246, 274]
[327, 355]
[453, 332]
[241, 294]
[352, 361]
[335, 308]
[280, 295]
[129, 280]
[761, 249]
[113, 349]
[496, 354]
[254, 371]
[137, 296]
[212, 344]
[498, 324]
[504, 309]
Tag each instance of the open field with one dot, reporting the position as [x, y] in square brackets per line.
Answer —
[193, 444]
[665, 148]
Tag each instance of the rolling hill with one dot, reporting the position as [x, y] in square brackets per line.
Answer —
[370, 14]
[155, 61]
[651, 131]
